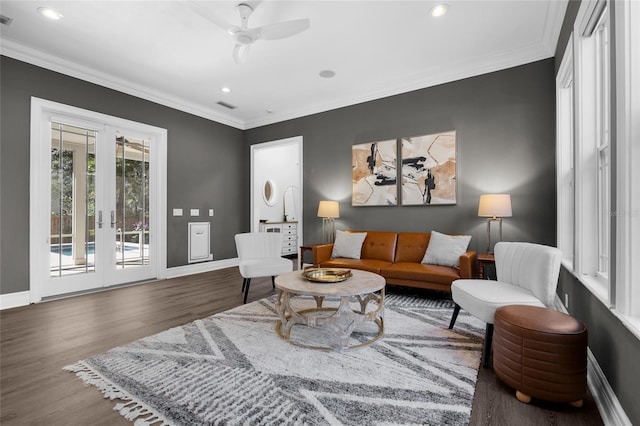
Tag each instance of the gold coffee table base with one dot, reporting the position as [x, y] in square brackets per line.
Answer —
[340, 322]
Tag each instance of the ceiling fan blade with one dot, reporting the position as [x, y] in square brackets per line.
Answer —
[240, 53]
[283, 29]
[211, 17]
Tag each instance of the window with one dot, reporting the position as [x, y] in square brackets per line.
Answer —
[627, 208]
[565, 184]
[598, 197]
[592, 148]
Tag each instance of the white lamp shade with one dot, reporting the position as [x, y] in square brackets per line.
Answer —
[495, 205]
[329, 209]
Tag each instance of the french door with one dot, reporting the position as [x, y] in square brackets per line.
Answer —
[95, 215]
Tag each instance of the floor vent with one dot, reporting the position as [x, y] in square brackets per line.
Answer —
[5, 20]
[226, 105]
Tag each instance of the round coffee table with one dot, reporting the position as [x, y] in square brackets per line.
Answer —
[341, 320]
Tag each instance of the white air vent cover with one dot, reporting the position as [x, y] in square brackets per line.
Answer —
[199, 242]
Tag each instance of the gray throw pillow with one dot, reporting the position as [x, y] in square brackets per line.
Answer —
[445, 250]
[348, 244]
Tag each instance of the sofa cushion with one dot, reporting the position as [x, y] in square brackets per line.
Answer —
[421, 272]
[446, 250]
[411, 246]
[379, 245]
[348, 244]
[370, 265]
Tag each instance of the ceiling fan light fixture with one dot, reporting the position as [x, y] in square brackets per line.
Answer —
[439, 10]
[50, 13]
[327, 74]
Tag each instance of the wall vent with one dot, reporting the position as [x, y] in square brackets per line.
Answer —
[5, 20]
[199, 242]
[226, 105]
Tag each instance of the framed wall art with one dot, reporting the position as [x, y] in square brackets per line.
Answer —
[374, 174]
[429, 169]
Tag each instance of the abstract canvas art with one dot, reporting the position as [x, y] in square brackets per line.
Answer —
[429, 169]
[374, 174]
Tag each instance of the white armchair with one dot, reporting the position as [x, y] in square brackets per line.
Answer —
[527, 274]
[260, 256]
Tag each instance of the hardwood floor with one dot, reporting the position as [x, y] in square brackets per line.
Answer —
[38, 340]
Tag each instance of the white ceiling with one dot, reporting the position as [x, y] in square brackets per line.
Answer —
[165, 52]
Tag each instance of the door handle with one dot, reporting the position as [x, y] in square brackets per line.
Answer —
[100, 219]
[113, 218]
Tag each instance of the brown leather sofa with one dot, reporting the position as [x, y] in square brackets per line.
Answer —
[397, 257]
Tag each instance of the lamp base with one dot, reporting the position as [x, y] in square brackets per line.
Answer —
[489, 220]
[328, 230]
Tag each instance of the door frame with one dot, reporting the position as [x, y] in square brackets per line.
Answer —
[38, 225]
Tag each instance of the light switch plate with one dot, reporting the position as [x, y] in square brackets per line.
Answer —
[177, 212]
[195, 212]
[211, 212]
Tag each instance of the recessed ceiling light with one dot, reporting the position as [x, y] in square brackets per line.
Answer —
[327, 73]
[269, 111]
[225, 89]
[49, 13]
[439, 10]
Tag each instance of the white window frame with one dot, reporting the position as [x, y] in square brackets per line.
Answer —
[564, 157]
[627, 209]
[592, 116]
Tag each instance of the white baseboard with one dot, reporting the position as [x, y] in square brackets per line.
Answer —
[23, 298]
[606, 400]
[14, 300]
[197, 268]
[610, 409]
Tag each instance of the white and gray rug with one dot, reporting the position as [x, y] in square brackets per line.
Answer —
[232, 369]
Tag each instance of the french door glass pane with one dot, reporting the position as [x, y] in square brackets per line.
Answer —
[72, 240]
[132, 202]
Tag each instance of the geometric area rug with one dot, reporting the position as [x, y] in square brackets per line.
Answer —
[233, 369]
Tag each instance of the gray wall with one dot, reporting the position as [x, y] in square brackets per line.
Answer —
[505, 123]
[206, 164]
[616, 349]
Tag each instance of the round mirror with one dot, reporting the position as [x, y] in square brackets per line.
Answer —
[269, 192]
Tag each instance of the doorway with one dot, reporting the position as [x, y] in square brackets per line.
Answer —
[96, 214]
[276, 184]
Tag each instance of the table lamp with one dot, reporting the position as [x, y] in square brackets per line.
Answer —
[494, 207]
[328, 211]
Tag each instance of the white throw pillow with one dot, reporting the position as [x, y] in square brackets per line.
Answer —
[446, 250]
[348, 244]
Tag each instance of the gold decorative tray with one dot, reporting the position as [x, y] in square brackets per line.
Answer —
[326, 275]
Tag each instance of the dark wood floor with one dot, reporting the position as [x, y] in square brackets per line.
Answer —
[38, 340]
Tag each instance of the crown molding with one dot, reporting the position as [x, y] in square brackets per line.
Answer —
[542, 49]
[553, 25]
[19, 51]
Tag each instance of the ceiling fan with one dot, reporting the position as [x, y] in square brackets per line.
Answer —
[245, 36]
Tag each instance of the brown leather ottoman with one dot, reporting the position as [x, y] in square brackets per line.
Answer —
[541, 353]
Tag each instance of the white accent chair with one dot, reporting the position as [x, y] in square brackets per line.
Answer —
[527, 274]
[260, 255]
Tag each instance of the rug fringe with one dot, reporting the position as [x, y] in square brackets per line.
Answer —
[131, 409]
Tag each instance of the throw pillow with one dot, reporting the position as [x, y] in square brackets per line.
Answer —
[446, 250]
[348, 244]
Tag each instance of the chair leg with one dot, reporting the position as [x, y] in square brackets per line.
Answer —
[456, 310]
[486, 352]
[246, 289]
[273, 281]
